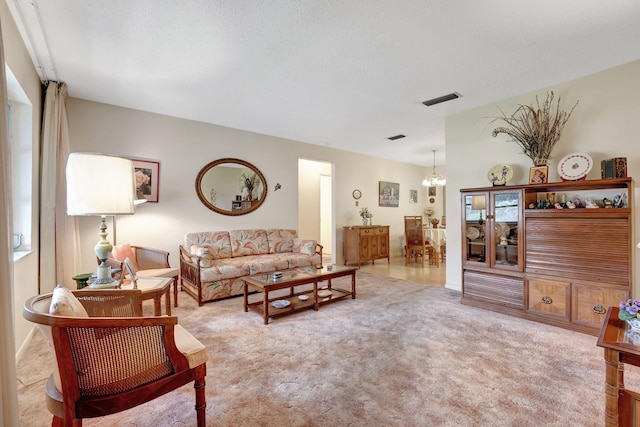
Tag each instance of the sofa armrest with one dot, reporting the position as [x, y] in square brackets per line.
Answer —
[319, 249]
[190, 271]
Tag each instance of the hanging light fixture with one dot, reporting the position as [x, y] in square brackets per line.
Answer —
[434, 180]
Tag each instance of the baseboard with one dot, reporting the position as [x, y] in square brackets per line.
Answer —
[25, 344]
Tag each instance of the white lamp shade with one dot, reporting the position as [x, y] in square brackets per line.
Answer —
[99, 184]
[478, 202]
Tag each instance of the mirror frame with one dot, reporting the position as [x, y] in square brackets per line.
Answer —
[216, 209]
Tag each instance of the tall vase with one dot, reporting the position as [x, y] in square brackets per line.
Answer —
[364, 220]
[370, 221]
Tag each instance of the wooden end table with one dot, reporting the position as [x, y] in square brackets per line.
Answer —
[265, 283]
[621, 345]
[154, 288]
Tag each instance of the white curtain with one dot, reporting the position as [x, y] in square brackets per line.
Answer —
[8, 384]
[59, 239]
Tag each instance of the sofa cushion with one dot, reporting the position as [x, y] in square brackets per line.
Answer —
[209, 244]
[281, 240]
[307, 247]
[248, 242]
[225, 268]
[267, 263]
[297, 259]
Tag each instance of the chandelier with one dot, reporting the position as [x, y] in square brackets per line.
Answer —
[434, 180]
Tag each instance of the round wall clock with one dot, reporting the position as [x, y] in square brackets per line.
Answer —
[500, 175]
[356, 194]
[575, 166]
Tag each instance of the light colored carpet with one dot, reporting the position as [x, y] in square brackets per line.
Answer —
[401, 354]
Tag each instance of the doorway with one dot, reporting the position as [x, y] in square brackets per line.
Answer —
[316, 206]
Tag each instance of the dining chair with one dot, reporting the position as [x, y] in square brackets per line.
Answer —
[415, 242]
[108, 358]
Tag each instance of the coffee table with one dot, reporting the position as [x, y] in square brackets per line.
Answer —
[265, 283]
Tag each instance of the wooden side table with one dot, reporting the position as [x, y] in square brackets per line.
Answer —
[621, 345]
[154, 288]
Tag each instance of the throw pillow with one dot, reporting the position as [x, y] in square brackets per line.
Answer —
[65, 303]
[121, 252]
[304, 246]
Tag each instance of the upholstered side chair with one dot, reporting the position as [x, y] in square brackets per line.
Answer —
[108, 358]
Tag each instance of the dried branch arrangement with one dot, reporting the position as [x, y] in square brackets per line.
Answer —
[536, 128]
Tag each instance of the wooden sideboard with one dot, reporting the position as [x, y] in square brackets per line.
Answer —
[558, 266]
[365, 243]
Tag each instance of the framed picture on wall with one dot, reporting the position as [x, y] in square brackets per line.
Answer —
[388, 194]
[413, 196]
[147, 179]
[432, 191]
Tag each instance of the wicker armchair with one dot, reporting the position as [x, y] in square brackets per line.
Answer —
[148, 262]
[106, 364]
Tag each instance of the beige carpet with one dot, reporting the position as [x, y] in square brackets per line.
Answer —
[401, 354]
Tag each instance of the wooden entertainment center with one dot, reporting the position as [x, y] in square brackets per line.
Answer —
[563, 266]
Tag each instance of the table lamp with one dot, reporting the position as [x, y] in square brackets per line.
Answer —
[100, 185]
[478, 203]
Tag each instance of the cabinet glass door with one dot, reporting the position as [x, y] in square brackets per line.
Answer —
[474, 239]
[506, 225]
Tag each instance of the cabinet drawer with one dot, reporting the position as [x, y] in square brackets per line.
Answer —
[548, 297]
[590, 303]
[373, 231]
[498, 289]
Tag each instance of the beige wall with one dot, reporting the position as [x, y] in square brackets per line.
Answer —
[183, 147]
[605, 124]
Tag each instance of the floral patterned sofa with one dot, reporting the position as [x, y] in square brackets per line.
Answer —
[213, 263]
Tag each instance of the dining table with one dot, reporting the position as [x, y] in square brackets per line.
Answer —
[436, 237]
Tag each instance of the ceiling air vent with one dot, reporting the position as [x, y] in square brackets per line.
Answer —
[393, 138]
[441, 99]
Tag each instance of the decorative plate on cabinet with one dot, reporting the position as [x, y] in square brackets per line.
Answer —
[575, 166]
[472, 233]
[502, 229]
[500, 175]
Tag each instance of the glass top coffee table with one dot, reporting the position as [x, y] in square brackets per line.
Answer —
[300, 299]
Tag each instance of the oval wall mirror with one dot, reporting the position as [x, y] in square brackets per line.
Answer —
[231, 187]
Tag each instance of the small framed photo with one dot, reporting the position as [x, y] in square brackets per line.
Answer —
[432, 192]
[538, 174]
[147, 179]
[413, 196]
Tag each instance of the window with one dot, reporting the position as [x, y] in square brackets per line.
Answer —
[20, 119]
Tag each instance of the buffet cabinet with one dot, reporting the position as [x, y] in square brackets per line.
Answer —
[366, 243]
[537, 252]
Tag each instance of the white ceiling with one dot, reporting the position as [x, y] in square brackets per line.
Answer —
[341, 73]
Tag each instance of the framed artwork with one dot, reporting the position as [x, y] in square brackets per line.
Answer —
[147, 179]
[413, 196]
[538, 174]
[432, 192]
[388, 194]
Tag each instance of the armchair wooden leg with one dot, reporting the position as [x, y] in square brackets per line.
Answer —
[201, 403]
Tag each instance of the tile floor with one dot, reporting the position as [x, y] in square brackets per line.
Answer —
[430, 274]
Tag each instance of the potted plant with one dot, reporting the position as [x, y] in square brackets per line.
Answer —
[536, 128]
